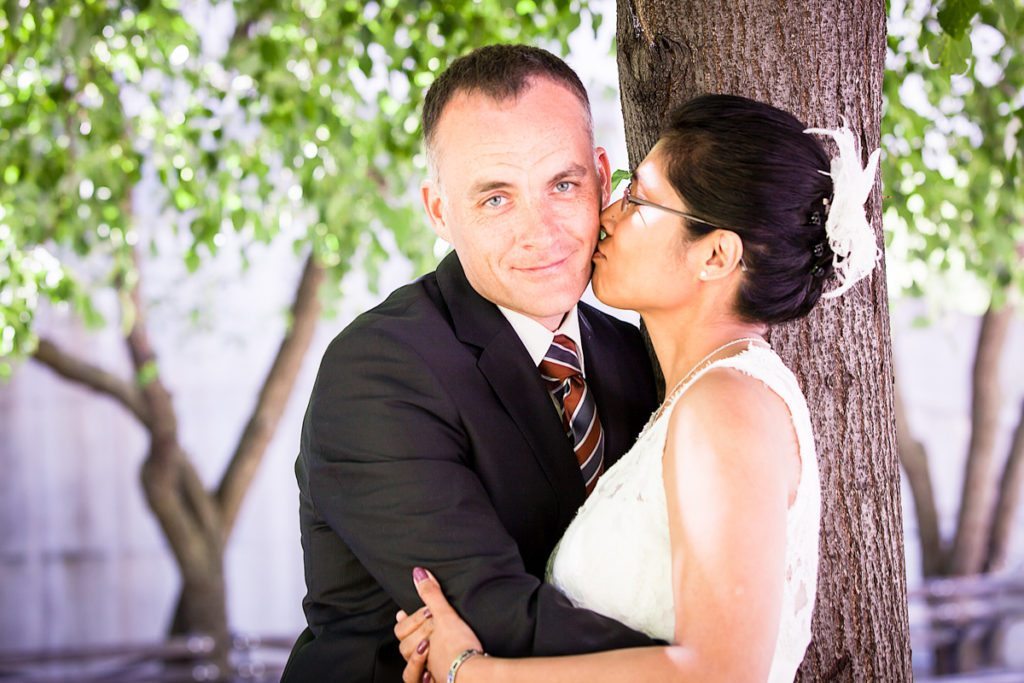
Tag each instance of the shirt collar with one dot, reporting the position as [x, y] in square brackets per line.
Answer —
[537, 338]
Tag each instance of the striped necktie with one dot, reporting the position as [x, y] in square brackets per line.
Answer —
[576, 406]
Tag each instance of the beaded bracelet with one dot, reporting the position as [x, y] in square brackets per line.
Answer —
[462, 659]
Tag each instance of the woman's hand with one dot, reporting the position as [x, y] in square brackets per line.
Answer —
[413, 633]
[438, 625]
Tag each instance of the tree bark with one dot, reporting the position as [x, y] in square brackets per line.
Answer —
[79, 371]
[184, 509]
[914, 460]
[270, 405]
[977, 499]
[819, 60]
[273, 396]
[1010, 488]
[195, 522]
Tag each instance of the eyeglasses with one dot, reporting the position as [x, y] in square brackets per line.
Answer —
[628, 198]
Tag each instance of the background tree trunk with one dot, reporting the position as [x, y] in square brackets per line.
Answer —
[197, 522]
[980, 476]
[817, 59]
[1010, 489]
[914, 459]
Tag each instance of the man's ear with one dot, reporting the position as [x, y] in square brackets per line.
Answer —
[433, 204]
[604, 174]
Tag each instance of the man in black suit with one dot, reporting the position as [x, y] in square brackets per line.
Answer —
[431, 438]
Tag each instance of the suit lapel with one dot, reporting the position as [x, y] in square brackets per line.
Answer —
[510, 371]
[521, 391]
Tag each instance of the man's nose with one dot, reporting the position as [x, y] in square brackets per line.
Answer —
[539, 225]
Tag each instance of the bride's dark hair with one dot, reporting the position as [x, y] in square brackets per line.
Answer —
[748, 167]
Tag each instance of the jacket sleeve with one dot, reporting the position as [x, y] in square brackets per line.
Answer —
[388, 471]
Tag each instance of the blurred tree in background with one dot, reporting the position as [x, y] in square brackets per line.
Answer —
[954, 157]
[954, 145]
[302, 123]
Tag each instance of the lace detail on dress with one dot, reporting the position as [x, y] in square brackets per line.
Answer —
[615, 557]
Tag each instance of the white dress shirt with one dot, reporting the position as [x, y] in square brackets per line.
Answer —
[537, 338]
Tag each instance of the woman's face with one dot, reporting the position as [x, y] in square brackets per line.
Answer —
[642, 262]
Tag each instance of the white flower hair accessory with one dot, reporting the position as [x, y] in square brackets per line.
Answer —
[847, 227]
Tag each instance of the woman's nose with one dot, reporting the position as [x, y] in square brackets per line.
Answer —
[610, 216]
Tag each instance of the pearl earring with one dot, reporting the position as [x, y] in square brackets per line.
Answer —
[703, 275]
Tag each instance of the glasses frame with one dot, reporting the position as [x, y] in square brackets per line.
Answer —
[628, 198]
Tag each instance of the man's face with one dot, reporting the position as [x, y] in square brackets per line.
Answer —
[516, 191]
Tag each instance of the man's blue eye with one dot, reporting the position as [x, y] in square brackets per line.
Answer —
[563, 186]
[494, 201]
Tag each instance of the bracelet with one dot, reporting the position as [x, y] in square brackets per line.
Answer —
[462, 659]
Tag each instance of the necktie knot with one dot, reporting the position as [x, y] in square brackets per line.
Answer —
[562, 361]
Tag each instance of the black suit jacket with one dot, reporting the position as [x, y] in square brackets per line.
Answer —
[430, 440]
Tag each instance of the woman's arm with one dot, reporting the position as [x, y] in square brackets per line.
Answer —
[731, 466]
[447, 636]
[731, 469]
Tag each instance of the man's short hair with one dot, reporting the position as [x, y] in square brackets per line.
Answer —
[501, 72]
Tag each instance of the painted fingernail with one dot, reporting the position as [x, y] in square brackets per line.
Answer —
[427, 613]
[422, 647]
[419, 574]
[427, 678]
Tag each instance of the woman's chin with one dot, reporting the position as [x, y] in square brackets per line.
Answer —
[606, 294]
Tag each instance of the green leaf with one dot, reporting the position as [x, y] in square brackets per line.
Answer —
[147, 374]
[953, 55]
[192, 260]
[618, 176]
[1009, 11]
[956, 15]
[526, 7]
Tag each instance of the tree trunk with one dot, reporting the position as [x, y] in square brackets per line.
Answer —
[183, 508]
[195, 596]
[978, 498]
[196, 522]
[274, 394]
[914, 459]
[1010, 489]
[818, 59]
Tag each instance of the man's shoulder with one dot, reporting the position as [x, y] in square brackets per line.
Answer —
[408, 315]
[402, 344]
[605, 325]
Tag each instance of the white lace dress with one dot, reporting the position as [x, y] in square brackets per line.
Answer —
[615, 557]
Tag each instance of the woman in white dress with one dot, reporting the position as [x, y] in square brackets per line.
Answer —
[704, 535]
